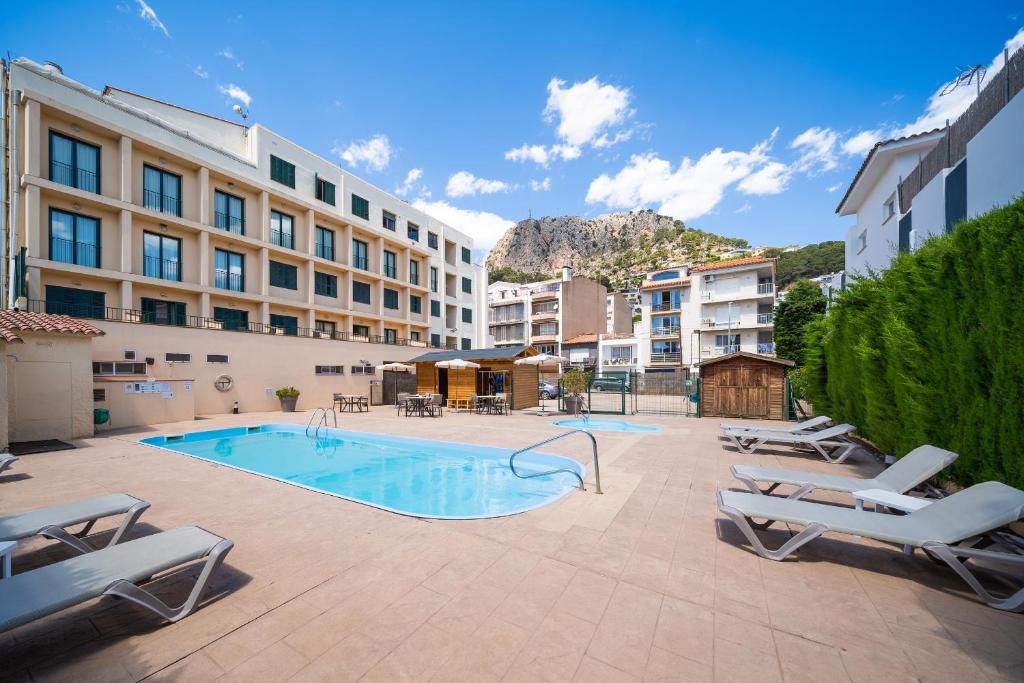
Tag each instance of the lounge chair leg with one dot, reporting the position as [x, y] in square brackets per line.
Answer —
[834, 453]
[747, 446]
[951, 555]
[129, 591]
[131, 516]
[801, 492]
[807, 535]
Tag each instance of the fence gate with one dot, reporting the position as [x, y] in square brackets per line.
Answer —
[664, 392]
[605, 395]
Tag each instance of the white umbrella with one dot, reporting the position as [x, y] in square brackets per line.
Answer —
[396, 367]
[456, 364]
[542, 359]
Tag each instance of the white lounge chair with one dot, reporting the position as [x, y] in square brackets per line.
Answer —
[6, 460]
[949, 529]
[811, 425]
[113, 571]
[832, 443]
[913, 469]
[52, 521]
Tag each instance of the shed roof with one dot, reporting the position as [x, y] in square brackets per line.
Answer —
[747, 354]
[503, 353]
[14, 321]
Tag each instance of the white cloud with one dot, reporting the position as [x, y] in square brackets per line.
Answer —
[744, 209]
[147, 14]
[692, 190]
[604, 141]
[201, 72]
[540, 185]
[484, 227]
[229, 54]
[541, 155]
[374, 154]
[817, 147]
[772, 178]
[412, 179]
[465, 184]
[941, 108]
[585, 110]
[833, 188]
[861, 143]
[236, 93]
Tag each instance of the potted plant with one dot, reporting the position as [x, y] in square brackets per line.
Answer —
[574, 385]
[288, 396]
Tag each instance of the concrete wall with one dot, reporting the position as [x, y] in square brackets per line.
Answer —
[5, 409]
[994, 157]
[584, 308]
[259, 364]
[929, 210]
[622, 315]
[130, 409]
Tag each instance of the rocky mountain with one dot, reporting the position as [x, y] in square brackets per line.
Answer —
[615, 246]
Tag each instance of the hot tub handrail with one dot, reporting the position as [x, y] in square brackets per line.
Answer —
[556, 437]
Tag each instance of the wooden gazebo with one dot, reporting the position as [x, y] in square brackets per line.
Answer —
[744, 384]
[497, 373]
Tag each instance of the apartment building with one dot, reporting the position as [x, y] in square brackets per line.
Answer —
[128, 208]
[546, 314]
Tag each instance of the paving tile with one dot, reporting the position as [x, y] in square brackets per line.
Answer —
[346, 661]
[626, 631]
[686, 629]
[735, 662]
[597, 671]
[804, 660]
[555, 650]
[664, 667]
[586, 596]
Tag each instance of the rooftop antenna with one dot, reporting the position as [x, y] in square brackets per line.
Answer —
[966, 76]
[244, 113]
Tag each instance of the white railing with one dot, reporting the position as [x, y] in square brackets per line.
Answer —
[764, 318]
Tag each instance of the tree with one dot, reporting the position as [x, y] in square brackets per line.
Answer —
[804, 302]
[811, 261]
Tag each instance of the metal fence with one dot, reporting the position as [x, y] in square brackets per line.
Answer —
[669, 392]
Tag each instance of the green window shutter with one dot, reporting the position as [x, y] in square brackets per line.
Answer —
[148, 310]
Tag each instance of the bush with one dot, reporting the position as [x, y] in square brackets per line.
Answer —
[803, 303]
[287, 392]
[931, 351]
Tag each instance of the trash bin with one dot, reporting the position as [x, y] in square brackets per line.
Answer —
[100, 416]
[376, 392]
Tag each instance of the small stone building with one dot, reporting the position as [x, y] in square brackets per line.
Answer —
[744, 385]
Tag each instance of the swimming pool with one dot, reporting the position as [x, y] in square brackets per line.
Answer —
[599, 424]
[417, 477]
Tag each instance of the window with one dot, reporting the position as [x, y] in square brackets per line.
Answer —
[390, 264]
[433, 279]
[282, 229]
[414, 272]
[161, 191]
[324, 190]
[326, 327]
[74, 163]
[391, 298]
[284, 275]
[163, 312]
[435, 341]
[231, 319]
[413, 231]
[388, 221]
[216, 358]
[325, 243]
[466, 255]
[74, 239]
[229, 270]
[360, 207]
[889, 208]
[467, 315]
[364, 370]
[862, 241]
[330, 370]
[390, 336]
[466, 344]
[129, 355]
[325, 284]
[82, 303]
[288, 323]
[99, 395]
[282, 171]
[118, 368]
[727, 343]
[360, 292]
[414, 335]
[359, 255]
[622, 353]
[432, 240]
[546, 329]
[161, 256]
[178, 357]
[360, 331]
[667, 275]
[228, 212]
[415, 304]
[467, 285]
[435, 308]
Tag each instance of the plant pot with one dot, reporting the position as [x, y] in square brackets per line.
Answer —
[288, 403]
[573, 404]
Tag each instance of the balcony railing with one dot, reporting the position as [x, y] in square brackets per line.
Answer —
[765, 287]
[766, 348]
[764, 318]
[727, 349]
[223, 279]
[360, 262]
[131, 315]
[79, 253]
[391, 272]
[282, 239]
[618, 361]
[226, 221]
[666, 357]
[151, 199]
[66, 174]
[165, 269]
[325, 251]
[665, 331]
[505, 321]
[665, 306]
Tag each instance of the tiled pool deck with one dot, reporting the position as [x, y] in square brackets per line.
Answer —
[647, 582]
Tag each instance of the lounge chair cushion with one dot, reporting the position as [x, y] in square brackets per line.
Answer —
[34, 594]
[830, 482]
[971, 512]
[784, 437]
[792, 428]
[29, 523]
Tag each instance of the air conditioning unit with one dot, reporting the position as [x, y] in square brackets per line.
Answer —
[709, 278]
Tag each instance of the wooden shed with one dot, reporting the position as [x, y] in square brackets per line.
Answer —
[498, 373]
[744, 384]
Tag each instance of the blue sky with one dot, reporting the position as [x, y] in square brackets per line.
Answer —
[747, 119]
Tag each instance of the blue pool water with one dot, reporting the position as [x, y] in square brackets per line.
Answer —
[416, 477]
[599, 424]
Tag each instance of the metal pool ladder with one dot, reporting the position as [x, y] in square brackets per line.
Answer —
[593, 444]
[322, 413]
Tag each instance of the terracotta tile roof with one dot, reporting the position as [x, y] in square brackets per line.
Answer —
[735, 262]
[582, 339]
[13, 321]
[657, 284]
[871, 153]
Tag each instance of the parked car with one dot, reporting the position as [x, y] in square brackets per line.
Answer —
[547, 390]
[608, 384]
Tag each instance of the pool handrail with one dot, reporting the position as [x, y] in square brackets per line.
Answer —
[322, 412]
[556, 437]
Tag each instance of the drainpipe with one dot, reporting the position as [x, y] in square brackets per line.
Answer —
[14, 183]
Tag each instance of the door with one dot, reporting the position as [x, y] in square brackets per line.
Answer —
[729, 397]
[754, 380]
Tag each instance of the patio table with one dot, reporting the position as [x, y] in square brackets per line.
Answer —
[417, 403]
[351, 402]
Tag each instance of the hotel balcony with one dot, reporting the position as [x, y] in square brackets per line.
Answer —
[765, 318]
[666, 358]
[544, 339]
[666, 306]
[549, 295]
[665, 331]
[544, 315]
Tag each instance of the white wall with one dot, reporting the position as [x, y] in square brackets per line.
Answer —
[882, 238]
[929, 209]
[994, 160]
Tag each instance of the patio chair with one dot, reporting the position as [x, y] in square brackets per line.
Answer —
[811, 425]
[114, 571]
[436, 405]
[962, 527]
[501, 403]
[474, 404]
[52, 522]
[6, 460]
[403, 402]
[910, 471]
[832, 443]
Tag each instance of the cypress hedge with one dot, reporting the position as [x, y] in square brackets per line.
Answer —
[932, 351]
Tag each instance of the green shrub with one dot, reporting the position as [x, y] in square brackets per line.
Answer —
[803, 303]
[932, 351]
[287, 392]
